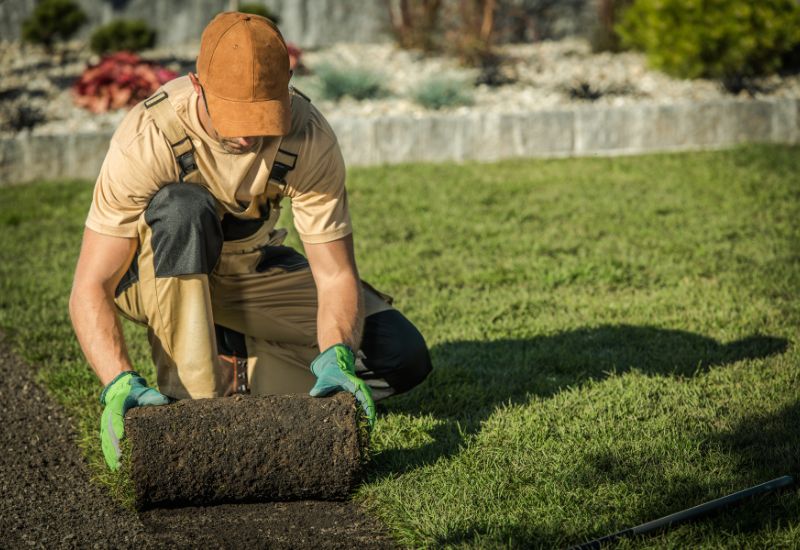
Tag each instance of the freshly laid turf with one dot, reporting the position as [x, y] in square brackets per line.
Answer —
[613, 340]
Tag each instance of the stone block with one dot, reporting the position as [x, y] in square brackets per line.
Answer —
[442, 138]
[395, 139]
[539, 133]
[608, 129]
[786, 121]
[356, 138]
[705, 124]
[666, 127]
[710, 123]
[45, 157]
[752, 121]
[11, 161]
[484, 138]
[27, 157]
[86, 154]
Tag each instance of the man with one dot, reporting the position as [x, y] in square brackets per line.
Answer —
[180, 237]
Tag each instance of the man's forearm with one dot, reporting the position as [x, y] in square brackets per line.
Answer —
[340, 315]
[97, 326]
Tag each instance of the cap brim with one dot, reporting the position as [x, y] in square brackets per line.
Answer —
[271, 117]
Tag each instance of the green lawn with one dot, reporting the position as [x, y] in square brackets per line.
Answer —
[613, 340]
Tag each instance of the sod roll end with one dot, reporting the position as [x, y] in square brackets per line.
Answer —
[241, 448]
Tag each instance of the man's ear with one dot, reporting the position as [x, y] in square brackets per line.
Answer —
[196, 83]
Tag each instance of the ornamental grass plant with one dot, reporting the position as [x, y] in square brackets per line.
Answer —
[439, 92]
[335, 82]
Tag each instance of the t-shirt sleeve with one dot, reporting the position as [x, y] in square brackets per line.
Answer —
[122, 192]
[317, 187]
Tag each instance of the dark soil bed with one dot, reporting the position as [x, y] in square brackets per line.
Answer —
[49, 501]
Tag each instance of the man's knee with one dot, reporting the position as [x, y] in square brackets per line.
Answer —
[186, 235]
[395, 350]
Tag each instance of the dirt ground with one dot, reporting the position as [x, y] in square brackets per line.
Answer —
[48, 501]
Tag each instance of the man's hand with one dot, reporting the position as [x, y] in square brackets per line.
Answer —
[335, 369]
[126, 391]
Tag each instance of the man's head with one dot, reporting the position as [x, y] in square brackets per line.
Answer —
[243, 78]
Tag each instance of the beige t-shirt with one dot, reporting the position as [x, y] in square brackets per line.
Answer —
[140, 161]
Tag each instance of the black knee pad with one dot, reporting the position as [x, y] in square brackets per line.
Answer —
[395, 350]
[230, 342]
[186, 232]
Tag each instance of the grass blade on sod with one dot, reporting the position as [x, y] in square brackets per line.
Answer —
[690, 513]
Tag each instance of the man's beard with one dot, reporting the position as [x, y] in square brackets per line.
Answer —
[232, 147]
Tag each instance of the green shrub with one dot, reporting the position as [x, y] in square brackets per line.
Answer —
[131, 35]
[335, 82]
[441, 91]
[259, 9]
[728, 39]
[53, 20]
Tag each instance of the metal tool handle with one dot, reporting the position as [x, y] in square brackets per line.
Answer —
[690, 513]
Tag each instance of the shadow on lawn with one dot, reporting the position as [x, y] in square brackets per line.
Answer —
[470, 379]
[760, 448]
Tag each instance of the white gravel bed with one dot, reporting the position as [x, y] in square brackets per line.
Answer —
[547, 75]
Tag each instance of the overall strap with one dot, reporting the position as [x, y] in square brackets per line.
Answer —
[167, 121]
[289, 148]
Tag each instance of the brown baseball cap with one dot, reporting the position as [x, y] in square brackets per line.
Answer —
[243, 67]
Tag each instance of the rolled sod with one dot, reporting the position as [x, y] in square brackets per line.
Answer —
[245, 449]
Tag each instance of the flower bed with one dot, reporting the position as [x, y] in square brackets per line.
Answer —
[544, 76]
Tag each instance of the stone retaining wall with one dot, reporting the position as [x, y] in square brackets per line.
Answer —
[581, 131]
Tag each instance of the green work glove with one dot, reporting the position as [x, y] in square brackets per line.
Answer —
[335, 369]
[126, 391]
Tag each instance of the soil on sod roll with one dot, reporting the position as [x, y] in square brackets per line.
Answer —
[245, 449]
[48, 499]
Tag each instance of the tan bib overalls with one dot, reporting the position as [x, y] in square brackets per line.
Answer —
[254, 286]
